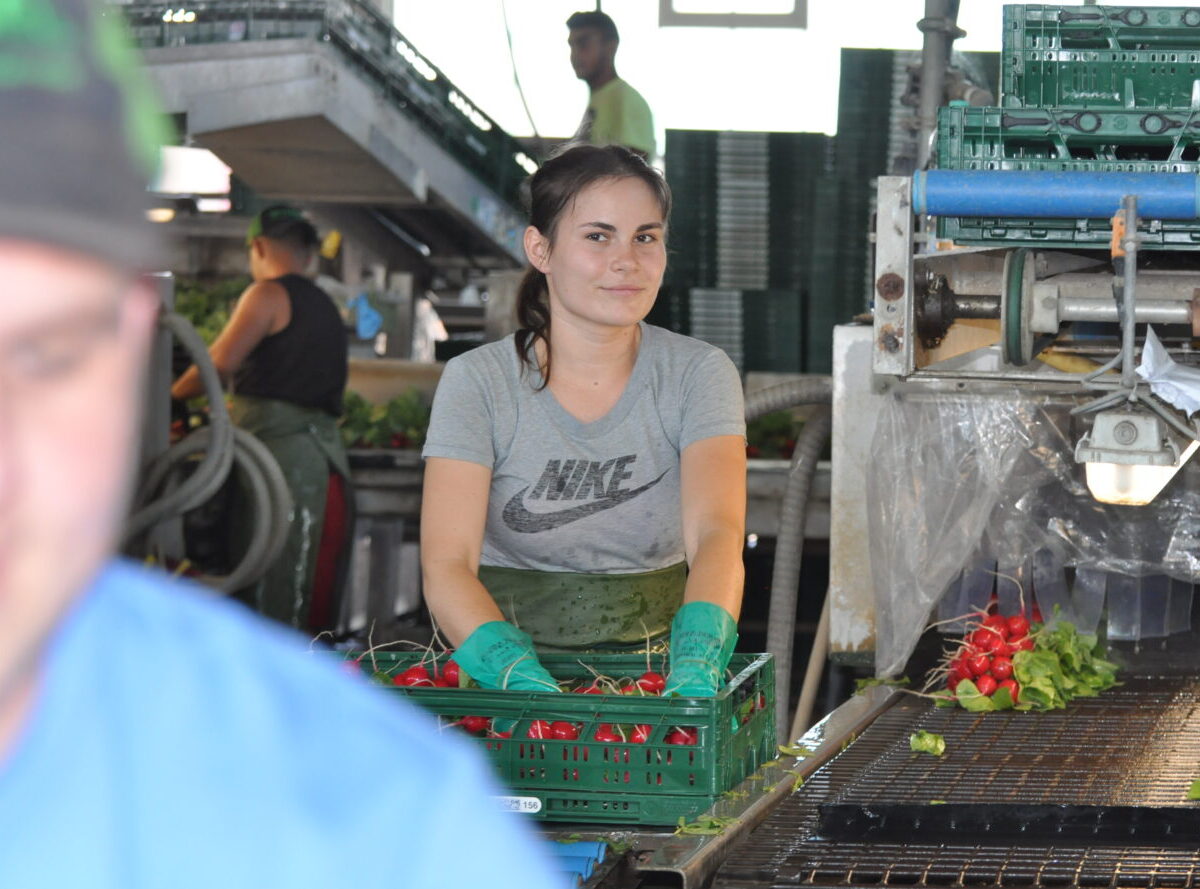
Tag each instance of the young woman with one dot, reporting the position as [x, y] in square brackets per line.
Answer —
[585, 477]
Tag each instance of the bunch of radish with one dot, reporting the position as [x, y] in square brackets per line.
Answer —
[984, 655]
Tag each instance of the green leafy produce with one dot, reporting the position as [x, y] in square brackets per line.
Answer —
[208, 304]
[1194, 790]
[798, 750]
[927, 742]
[861, 685]
[1063, 665]
[705, 826]
[401, 423]
[772, 436]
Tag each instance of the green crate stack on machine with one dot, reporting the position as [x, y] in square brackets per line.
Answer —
[1084, 88]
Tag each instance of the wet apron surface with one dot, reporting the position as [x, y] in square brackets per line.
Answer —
[307, 444]
[564, 611]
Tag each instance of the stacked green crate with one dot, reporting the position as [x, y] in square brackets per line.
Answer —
[798, 269]
[691, 171]
[1096, 57]
[1109, 89]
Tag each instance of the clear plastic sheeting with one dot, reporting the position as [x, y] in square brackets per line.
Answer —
[971, 494]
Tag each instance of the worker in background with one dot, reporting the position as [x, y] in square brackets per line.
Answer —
[616, 113]
[283, 355]
[585, 477]
[152, 734]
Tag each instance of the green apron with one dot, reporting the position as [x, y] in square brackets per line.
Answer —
[306, 443]
[563, 611]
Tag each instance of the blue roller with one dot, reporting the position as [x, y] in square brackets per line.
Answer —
[575, 864]
[581, 849]
[1055, 195]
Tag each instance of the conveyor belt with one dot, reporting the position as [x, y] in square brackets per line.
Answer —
[1137, 746]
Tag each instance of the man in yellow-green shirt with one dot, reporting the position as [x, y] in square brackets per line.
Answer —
[616, 113]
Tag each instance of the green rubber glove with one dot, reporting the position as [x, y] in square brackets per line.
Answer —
[702, 640]
[498, 655]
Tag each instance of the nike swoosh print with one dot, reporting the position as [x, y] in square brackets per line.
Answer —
[521, 520]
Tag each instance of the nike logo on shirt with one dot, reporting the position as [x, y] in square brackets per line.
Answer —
[573, 480]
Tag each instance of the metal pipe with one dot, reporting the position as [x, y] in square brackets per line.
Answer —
[1152, 284]
[1148, 311]
[940, 30]
[1129, 244]
[976, 306]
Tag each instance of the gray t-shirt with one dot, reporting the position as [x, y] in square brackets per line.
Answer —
[596, 498]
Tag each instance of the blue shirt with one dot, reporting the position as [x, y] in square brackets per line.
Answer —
[177, 740]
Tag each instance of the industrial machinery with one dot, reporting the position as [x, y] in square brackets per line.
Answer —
[1014, 426]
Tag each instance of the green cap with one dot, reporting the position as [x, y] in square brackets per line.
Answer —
[81, 132]
[284, 222]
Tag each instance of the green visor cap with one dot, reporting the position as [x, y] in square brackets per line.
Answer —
[277, 221]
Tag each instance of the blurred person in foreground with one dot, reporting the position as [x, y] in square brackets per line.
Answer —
[150, 734]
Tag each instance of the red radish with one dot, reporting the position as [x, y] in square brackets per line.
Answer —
[539, 728]
[952, 682]
[450, 672]
[592, 689]
[640, 734]
[986, 684]
[652, 682]
[1023, 644]
[1018, 626]
[1013, 688]
[992, 642]
[1002, 668]
[441, 682]
[683, 736]
[997, 623]
[475, 724]
[959, 668]
[984, 638]
[563, 731]
[605, 734]
[979, 664]
[416, 675]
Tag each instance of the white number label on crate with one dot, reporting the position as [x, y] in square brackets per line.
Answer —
[527, 804]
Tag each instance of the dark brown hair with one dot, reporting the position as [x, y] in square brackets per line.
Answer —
[552, 189]
[598, 20]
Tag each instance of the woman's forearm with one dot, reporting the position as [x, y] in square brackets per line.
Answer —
[457, 600]
[716, 573]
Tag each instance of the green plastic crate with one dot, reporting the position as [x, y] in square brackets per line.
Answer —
[588, 781]
[1106, 139]
[1137, 57]
[1089, 234]
[1100, 140]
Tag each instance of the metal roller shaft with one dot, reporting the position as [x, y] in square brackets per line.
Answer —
[1146, 311]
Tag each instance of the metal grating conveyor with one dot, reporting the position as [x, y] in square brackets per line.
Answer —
[1094, 795]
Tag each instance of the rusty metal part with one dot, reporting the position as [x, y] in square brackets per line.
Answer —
[890, 338]
[890, 286]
